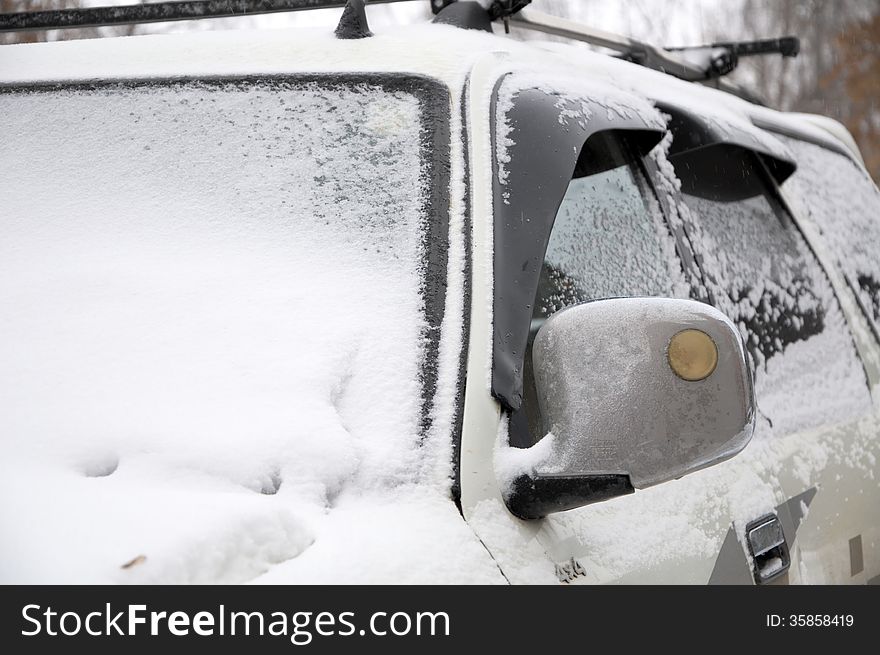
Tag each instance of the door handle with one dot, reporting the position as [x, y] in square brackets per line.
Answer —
[768, 548]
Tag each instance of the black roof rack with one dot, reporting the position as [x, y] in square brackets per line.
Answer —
[719, 59]
[697, 64]
[787, 46]
[157, 12]
[694, 64]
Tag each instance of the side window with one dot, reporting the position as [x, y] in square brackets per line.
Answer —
[609, 239]
[845, 204]
[765, 278]
[539, 132]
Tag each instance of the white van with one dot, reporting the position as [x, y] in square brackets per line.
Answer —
[430, 305]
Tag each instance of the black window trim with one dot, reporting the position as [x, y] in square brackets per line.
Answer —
[435, 105]
[679, 229]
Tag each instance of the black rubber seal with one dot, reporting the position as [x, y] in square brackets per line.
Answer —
[434, 100]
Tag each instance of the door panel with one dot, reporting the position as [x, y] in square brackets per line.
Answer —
[811, 463]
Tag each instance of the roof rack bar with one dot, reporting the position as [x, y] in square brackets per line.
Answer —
[787, 46]
[157, 12]
[637, 51]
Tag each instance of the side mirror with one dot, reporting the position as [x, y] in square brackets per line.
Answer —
[633, 392]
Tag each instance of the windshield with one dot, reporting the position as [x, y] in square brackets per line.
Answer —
[222, 280]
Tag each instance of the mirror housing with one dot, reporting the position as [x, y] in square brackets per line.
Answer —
[633, 392]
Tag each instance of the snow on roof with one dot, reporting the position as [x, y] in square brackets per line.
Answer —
[439, 51]
[424, 49]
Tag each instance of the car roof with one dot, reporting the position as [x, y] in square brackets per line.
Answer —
[442, 52]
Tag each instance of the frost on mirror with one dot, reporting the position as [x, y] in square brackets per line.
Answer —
[845, 204]
[766, 279]
[609, 239]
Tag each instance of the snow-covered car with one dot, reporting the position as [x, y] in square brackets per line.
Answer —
[431, 305]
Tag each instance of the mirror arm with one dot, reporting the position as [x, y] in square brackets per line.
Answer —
[534, 497]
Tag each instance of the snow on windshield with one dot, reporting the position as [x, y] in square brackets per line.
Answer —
[213, 327]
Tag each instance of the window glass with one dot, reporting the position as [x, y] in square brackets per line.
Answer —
[230, 263]
[767, 280]
[609, 239]
[845, 204]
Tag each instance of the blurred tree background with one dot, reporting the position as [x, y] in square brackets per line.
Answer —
[837, 73]
[838, 70]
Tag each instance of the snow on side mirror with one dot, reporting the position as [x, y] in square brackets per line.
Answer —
[633, 392]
